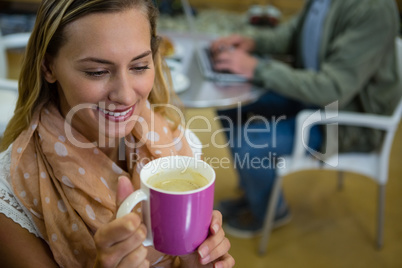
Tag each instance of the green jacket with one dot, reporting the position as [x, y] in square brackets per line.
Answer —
[358, 65]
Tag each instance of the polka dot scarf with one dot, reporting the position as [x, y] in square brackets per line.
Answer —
[71, 191]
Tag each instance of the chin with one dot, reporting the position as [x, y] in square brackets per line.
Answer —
[119, 131]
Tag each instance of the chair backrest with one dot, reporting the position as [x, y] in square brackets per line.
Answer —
[17, 40]
[8, 87]
[398, 44]
[3, 58]
[396, 118]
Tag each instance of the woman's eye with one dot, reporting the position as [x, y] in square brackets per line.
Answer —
[96, 74]
[140, 68]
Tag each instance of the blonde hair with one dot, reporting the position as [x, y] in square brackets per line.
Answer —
[46, 39]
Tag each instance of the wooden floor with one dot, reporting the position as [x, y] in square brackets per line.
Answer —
[329, 228]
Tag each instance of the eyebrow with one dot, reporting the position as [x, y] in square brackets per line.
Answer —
[103, 61]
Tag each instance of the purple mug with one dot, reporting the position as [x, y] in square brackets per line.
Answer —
[177, 222]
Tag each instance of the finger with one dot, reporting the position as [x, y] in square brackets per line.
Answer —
[222, 56]
[214, 247]
[224, 66]
[135, 258]
[124, 247]
[131, 248]
[229, 56]
[117, 230]
[216, 222]
[227, 261]
[236, 40]
[124, 189]
[215, 46]
[221, 61]
[217, 252]
[215, 239]
[219, 42]
[222, 45]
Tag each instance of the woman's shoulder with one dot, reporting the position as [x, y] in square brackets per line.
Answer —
[5, 161]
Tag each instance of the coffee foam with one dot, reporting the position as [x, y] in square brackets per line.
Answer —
[178, 181]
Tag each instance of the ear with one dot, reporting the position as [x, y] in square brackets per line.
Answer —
[47, 70]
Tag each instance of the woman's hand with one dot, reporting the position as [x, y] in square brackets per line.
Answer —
[215, 249]
[119, 243]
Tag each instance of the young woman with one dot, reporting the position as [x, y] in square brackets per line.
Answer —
[91, 75]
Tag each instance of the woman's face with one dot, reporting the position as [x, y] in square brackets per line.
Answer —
[107, 64]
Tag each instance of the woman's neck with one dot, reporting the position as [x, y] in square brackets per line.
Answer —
[113, 153]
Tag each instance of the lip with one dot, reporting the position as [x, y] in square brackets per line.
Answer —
[117, 115]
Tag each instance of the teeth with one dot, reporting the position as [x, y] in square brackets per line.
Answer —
[115, 114]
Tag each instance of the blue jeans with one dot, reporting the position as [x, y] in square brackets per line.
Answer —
[260, 134]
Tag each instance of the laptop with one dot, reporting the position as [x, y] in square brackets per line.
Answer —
[203, 54]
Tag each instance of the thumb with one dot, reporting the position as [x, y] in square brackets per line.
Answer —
[124, 189]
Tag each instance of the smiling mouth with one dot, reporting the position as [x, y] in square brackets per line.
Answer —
[115, 114]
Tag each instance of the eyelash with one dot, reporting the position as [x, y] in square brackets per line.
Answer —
[95, 74]
[140, 69]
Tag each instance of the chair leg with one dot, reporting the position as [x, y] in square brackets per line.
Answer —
[340, 180]
[380, 216]
[269, 215]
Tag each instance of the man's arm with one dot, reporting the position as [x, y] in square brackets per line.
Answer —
[278, 40]
[351, 59]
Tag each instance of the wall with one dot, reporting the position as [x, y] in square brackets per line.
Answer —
[286, 6]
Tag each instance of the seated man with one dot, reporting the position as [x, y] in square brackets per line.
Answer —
[344, 54]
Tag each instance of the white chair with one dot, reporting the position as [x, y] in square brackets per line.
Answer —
[373, 165]
[8, 100]
[8, 87]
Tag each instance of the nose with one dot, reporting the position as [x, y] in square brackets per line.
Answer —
[122, 89]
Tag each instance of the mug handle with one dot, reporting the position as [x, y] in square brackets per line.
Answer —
[127, 206]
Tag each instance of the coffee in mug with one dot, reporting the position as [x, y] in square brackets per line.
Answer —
[178, 181]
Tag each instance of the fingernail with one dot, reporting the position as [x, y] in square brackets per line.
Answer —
[205, 260]
[142, 234]
[130, 226]
[215, 227]
[218, 265]
[203, 251]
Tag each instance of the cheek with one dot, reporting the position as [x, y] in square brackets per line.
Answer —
[82, 91]
[147, 85]
[69, 86]
[78, 93]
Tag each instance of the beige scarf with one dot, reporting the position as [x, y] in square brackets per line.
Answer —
[71, 191]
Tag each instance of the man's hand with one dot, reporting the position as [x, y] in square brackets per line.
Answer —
[233, 41]
[236, 61]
